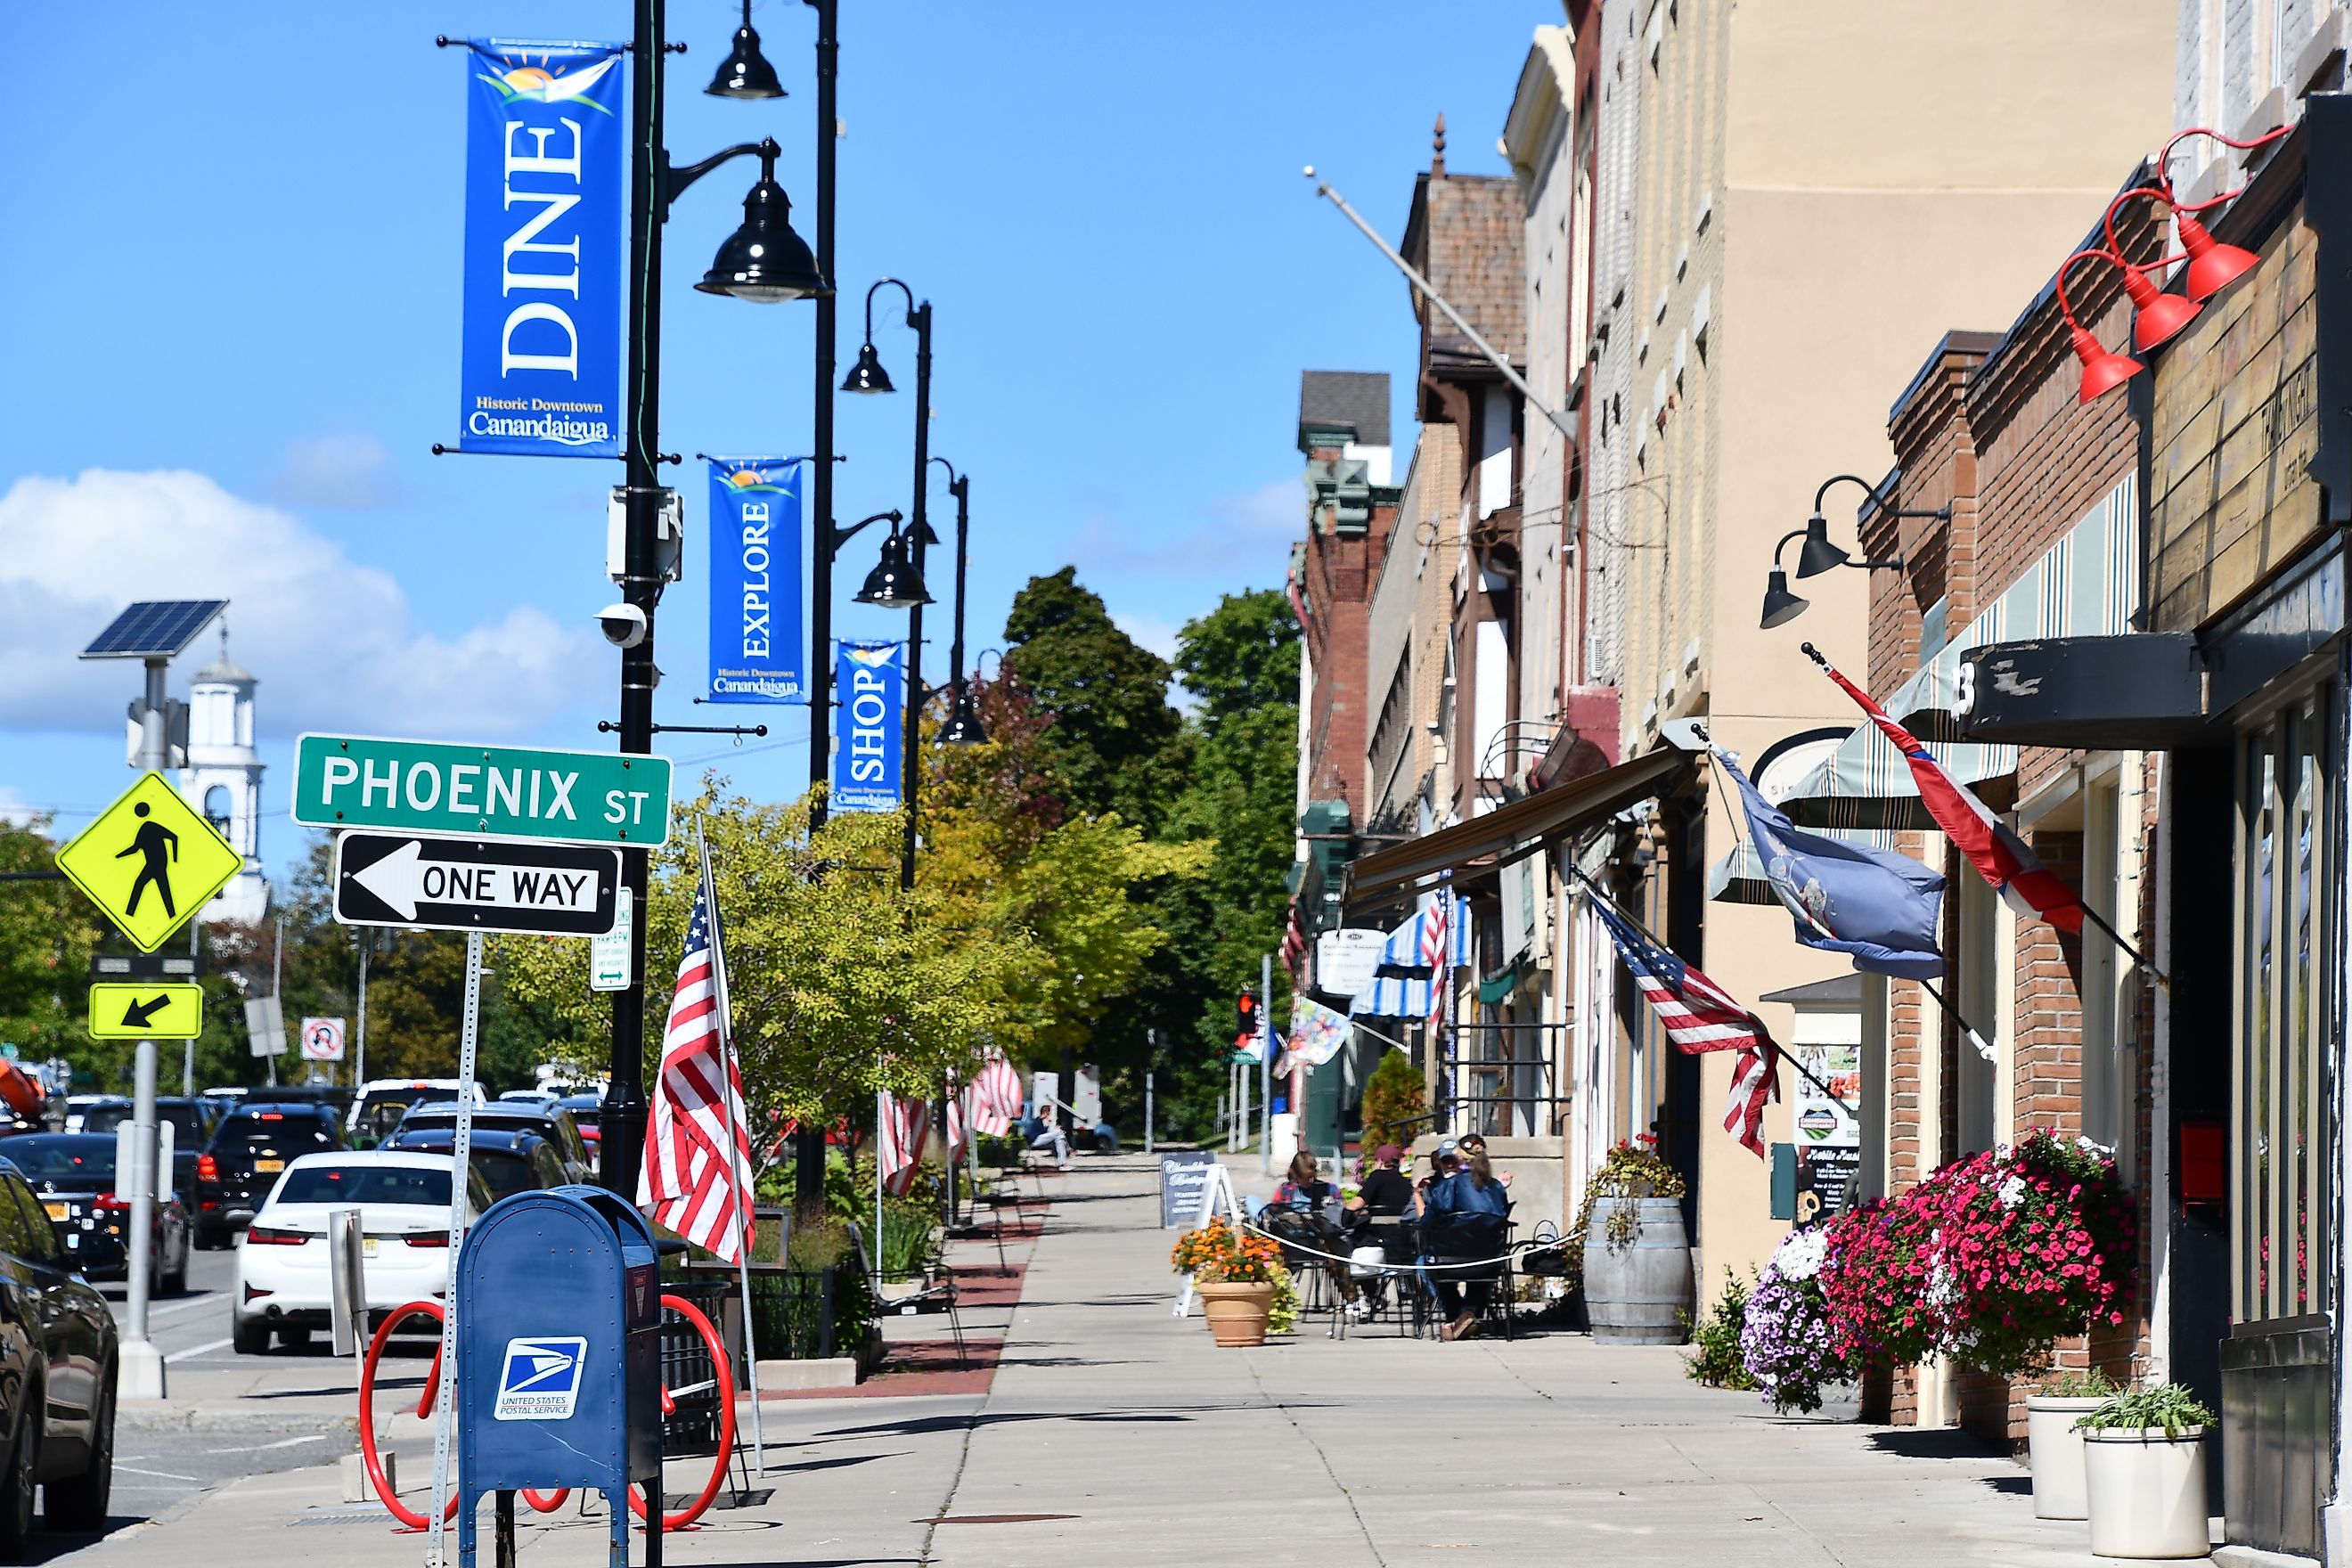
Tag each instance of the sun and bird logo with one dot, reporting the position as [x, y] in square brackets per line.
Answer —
[541, 1378]
[536, 84]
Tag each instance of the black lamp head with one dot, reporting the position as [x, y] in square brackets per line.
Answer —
[963, 727]
[1780, 606]
[1817, 554]
[927, 535]
[765, 261]
[867, 374]
[745, 72]
[893, 583]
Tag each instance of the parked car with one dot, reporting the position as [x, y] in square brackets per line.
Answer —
[541, 1099]
[57, 1343]
[251, 1149]
[556, 1126]
[282, 1283]
[78, 1107]
[73, 1175]
[194, 1123]
[508, 1159]
[588, 1115]
[383, 1101]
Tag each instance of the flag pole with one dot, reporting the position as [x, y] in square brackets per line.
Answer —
[2090, 914]
[743, 1205]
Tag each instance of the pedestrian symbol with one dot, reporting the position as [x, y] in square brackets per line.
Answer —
[150, 861]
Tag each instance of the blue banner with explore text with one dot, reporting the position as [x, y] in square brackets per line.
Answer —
[871, 684]
[755, 582]
[546, 261]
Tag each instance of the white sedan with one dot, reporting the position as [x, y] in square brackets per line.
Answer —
[282, 1281]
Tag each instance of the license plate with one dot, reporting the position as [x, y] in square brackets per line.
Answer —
[269, 1167]
[57, 1211]
[367, 1246]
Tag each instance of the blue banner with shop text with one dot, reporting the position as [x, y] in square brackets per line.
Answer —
[869, 682]
[755, 582]
[545, 254]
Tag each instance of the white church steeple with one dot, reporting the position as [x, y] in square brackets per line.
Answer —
[223, 779]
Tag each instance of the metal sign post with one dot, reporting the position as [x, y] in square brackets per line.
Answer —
[461, 1153]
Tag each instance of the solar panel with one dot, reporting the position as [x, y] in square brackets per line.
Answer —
[154, 628]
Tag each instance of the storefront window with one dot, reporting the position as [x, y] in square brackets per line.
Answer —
[2110, 1049]
[2280, 1189]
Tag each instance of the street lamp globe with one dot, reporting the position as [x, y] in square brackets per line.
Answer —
[1817, 554]
[963, 727]
[1780, 606]
[893, 583]
[765, 261]
[745, 72]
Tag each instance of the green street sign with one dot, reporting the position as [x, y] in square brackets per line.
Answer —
[495, 792]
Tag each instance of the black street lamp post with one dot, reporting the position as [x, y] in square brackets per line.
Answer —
[809, 1167]
[763, 260]
[963, 727]
[868, 376]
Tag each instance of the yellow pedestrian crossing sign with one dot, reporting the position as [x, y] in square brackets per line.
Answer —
[150, 861]
[159, 1010]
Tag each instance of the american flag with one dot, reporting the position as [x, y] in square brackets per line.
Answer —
[995, 1096]
[1436, 951]
[1699, 1016]
[905, 1127]
[688, 1181]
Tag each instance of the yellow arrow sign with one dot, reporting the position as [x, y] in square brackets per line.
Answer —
[150, 862]
[161, 1011]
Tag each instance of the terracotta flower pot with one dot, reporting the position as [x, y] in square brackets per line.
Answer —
[1237, 1313]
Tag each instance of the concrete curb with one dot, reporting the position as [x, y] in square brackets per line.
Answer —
[221, 1416]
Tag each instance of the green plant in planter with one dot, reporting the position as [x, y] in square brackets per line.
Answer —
[2091, 1385]
[2168, 1405]
[1282, 1316]
[1715, 1360]
[1394, 1101]
[1631, 1170]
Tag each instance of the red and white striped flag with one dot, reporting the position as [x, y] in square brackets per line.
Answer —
[1437, 953]
[996, 1095]
[1699, 1016]
[959, 1120]
[689, 1181]
[905, 1128]
[1999, 856]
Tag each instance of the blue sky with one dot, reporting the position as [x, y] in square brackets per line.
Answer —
[232, 289]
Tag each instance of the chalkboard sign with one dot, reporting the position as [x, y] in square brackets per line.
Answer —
[1183, 1177]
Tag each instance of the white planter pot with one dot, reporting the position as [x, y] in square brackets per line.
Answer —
[2054, 1449]
[2147, 1492]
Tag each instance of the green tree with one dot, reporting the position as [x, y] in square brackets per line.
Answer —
[47, 933]
[1114, 742]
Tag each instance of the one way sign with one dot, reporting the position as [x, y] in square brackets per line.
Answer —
[470, 884]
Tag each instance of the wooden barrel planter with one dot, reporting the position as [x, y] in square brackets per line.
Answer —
[1639, 1295]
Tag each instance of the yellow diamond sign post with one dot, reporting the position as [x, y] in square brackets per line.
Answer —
[150, 861]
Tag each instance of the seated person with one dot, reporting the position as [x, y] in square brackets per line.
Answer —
[1465, 1216]
[1302, 1198]
[1304, 1186]
[1386, 1193]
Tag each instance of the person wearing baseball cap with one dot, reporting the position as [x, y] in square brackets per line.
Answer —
[1386, 1193]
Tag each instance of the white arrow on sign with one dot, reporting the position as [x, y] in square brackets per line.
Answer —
[404, 880]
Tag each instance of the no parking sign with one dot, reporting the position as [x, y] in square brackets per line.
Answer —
[322, 1040]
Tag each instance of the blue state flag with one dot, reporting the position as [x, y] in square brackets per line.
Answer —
[870, 681]
[546, 262]
[1873, 904]
[755, 582]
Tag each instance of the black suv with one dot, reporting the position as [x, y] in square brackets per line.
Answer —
[555, 1124]
[252, 1145]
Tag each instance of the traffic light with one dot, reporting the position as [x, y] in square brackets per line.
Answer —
[1245, 1017]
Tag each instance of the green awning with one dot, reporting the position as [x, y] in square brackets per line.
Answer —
[1497, 986]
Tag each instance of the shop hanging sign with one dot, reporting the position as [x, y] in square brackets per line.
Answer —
[545, 258]
[755, 582]
[871, 685]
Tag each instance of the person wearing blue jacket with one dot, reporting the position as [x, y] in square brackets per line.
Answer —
[1465, 1215]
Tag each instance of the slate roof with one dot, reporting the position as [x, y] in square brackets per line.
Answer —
[1355, 398]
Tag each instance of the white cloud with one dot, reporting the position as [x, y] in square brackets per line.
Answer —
[1256, 525]
[1277, 508]
[13, 808]
[346, 471]
[1152, 631]
[334, 643]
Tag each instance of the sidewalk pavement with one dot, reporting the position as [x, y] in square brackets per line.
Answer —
[1110, 1428]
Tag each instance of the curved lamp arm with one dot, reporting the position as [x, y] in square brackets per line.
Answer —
[676, 178]
[842, 536]
[893, 283]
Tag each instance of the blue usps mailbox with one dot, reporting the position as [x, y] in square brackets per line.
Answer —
[559, 1356]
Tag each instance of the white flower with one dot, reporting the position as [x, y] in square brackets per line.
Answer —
[1799, 1257]
[2012, 1192]
[2085, 1144]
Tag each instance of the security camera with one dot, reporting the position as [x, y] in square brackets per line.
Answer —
[624, 625]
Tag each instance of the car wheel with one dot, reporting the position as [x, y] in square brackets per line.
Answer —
[248, 1338]
[17, 1487]
[79, 1502]
[208, 1240]
[294, 1337]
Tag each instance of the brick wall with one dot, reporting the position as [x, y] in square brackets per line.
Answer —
[1336, 577]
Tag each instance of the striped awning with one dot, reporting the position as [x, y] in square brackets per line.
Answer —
[1739, 878]
[1388, 997]
[1402, 949]
[2086, 584]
